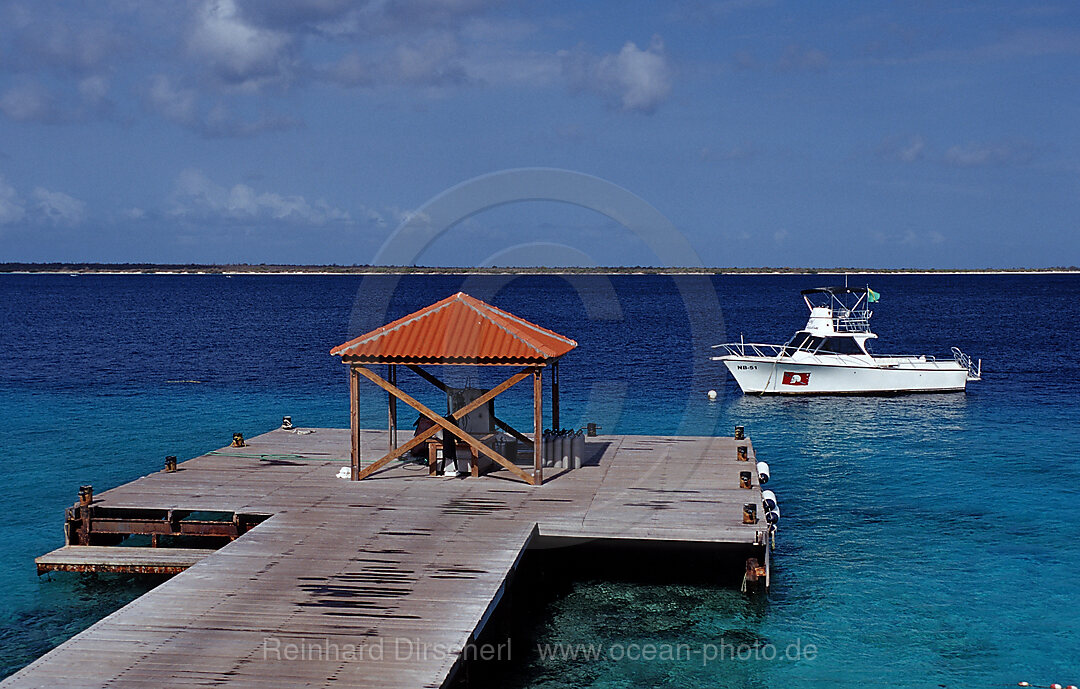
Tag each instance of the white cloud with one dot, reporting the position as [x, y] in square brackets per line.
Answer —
[356, 18]
[12, 209]
[58, 208]
[797, 58]
[28, 102]
[198, 197]
[94, 90]
[912, 238]
[907, 150]
[979, 155]
[913, 150]
[180, 105]
[434, 61]
[741, 151]
[68, 48]
[239, 53]
[631, 79]
[46, 207]
[177, 105]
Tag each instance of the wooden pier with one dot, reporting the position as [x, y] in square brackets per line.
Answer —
[385, 582]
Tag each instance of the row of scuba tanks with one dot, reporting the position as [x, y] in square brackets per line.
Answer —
[563, 448]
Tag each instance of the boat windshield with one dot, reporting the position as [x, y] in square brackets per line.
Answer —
[840, 345]
[803, 341]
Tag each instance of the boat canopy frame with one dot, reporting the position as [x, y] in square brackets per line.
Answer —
[848, 316]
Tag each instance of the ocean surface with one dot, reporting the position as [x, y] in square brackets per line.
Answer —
[926, 541]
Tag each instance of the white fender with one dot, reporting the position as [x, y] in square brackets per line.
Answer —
[768, 499]
[773, 515]
[763, 472]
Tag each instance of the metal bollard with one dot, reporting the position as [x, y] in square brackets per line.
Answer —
[742, 456]
[745, 479]
[749, 513]
[238, 440]
[740, 433]
[286, 423]
[86, 495]
[590, 429]
[170, 463]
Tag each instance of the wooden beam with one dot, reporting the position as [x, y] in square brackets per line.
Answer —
[512, 431]
[354, 421]
[428, 377]
[555, 396]
[391, 370]
[398, 451]
[538, 426]
[446, 424]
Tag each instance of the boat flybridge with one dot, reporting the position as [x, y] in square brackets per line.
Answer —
[832, 355]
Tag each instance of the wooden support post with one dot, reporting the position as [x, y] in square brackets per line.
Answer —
[538, 426]
[391, 375]
[354, 420]
[555, 396]
[432, 457]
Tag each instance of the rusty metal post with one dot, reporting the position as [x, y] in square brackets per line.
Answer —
[170, 463]
[740, 433]
[742, 456]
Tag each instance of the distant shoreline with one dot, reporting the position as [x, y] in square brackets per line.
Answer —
[281, 269]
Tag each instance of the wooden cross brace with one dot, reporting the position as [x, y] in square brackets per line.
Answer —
[444, 423]
[444, 387]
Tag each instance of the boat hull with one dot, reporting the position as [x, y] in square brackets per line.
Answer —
[770, 377]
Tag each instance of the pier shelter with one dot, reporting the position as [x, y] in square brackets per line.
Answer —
[457, 331]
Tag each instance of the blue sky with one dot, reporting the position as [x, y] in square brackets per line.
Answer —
[921, 134]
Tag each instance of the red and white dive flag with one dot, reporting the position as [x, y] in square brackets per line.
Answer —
[796, 378]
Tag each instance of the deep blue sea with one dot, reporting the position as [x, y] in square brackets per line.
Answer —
[927, 540]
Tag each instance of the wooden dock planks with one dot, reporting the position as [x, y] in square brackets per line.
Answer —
[94, 558]
[400, 565]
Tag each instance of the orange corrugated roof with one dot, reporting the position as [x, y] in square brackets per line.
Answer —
[458, 329]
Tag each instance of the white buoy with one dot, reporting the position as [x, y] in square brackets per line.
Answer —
[712, 394]
[763, 472]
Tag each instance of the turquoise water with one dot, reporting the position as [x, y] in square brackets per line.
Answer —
[926, 540]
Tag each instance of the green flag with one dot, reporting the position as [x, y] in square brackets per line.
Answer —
[871, 296]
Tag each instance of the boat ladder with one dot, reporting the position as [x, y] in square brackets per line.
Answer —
[974, 368]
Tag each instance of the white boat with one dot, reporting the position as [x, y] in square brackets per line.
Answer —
[832, 355]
